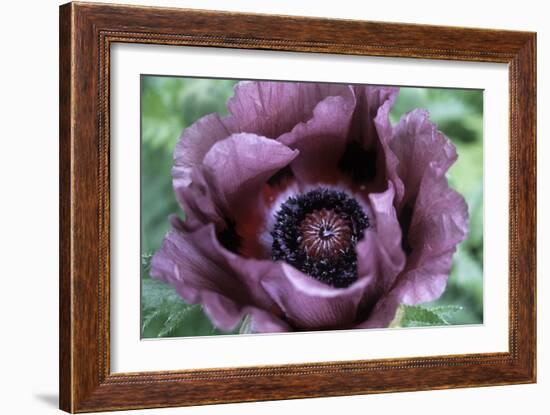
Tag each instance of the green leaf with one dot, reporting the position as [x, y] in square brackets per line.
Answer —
[176, 320]
[445, 312]
[165, 314]
[418, 316]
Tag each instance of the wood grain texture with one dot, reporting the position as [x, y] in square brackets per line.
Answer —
[86, 33]
[65, 246]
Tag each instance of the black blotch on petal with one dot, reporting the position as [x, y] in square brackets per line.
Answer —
[229, 238]
[358, 163]
[280, 176]
[405, 218]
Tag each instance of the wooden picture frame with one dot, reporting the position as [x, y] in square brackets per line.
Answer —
[86, 33]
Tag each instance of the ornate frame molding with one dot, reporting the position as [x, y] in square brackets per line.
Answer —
[86, 34]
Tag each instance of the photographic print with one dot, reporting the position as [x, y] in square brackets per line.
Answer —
[312, 205]
[279, 206]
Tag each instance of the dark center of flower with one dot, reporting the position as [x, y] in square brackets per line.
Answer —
[325, 233]
[316, 232]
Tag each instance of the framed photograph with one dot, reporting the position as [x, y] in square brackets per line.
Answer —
[260, 207]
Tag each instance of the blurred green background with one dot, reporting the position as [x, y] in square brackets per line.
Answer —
[170, 104]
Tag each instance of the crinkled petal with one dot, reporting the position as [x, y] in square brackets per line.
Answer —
[433, 216]
[439, 223]
[240, 165]
[230, 178]
[373, 104]
[369, 159]
[322, 139]
[419, 146]
[271, 108]
[310, 304]
[379, 253]
[203, 272]
[385, 133]
[194, 143]
[198, 200]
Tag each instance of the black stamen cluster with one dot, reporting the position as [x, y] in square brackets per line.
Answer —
[339, 269]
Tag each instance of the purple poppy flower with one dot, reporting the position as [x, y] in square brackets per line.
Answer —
[305, 209]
